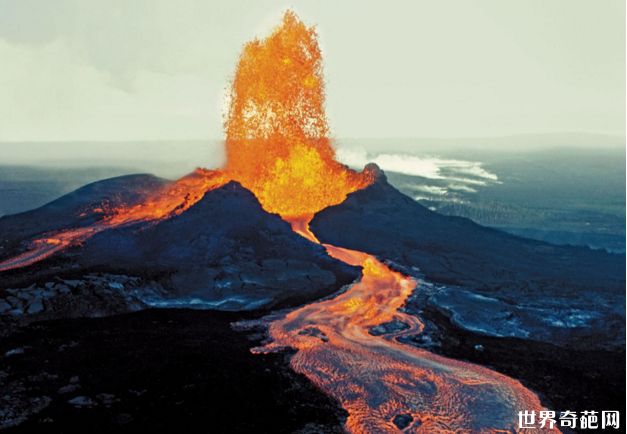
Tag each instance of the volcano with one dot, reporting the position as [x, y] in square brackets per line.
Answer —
[353, 281]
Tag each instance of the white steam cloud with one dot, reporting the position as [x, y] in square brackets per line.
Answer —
[443, 178]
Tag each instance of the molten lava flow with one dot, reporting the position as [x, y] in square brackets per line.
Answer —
[173, 199]
[41, 248]
[276, 130]
[376, 378]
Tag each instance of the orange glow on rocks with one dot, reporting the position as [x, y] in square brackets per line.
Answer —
[171, 200]
[277, 140]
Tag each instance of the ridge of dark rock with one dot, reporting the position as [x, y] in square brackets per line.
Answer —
[576, 293]
[68, 210]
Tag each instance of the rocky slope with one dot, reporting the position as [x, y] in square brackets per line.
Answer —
[80, 208]
[224, 250]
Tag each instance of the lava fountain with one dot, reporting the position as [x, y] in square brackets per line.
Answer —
[277, 136]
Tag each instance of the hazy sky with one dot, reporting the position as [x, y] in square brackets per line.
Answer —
[157, 69]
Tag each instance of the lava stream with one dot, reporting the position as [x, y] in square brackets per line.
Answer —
[41, 248]
[171, 200]
[376, 378]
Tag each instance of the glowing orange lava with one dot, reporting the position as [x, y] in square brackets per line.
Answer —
[173, 199]
[376, 378]
[277, 137]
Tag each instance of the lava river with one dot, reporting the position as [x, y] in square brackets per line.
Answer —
[382, 383]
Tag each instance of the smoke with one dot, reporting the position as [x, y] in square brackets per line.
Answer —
[439, 179]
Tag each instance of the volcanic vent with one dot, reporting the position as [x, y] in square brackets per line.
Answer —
[277, 143]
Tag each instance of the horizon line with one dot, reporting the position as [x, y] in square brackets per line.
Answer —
[622, 136]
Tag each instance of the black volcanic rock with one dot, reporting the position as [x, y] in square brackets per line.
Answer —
[225, 250]
[93, 295]
[76, 209]
[456, 251]
[156, 371]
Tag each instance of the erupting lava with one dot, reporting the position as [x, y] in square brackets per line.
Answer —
[276, 130]
[276, 140]
[278, 147]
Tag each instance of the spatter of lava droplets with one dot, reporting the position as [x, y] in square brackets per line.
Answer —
[277, 136]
